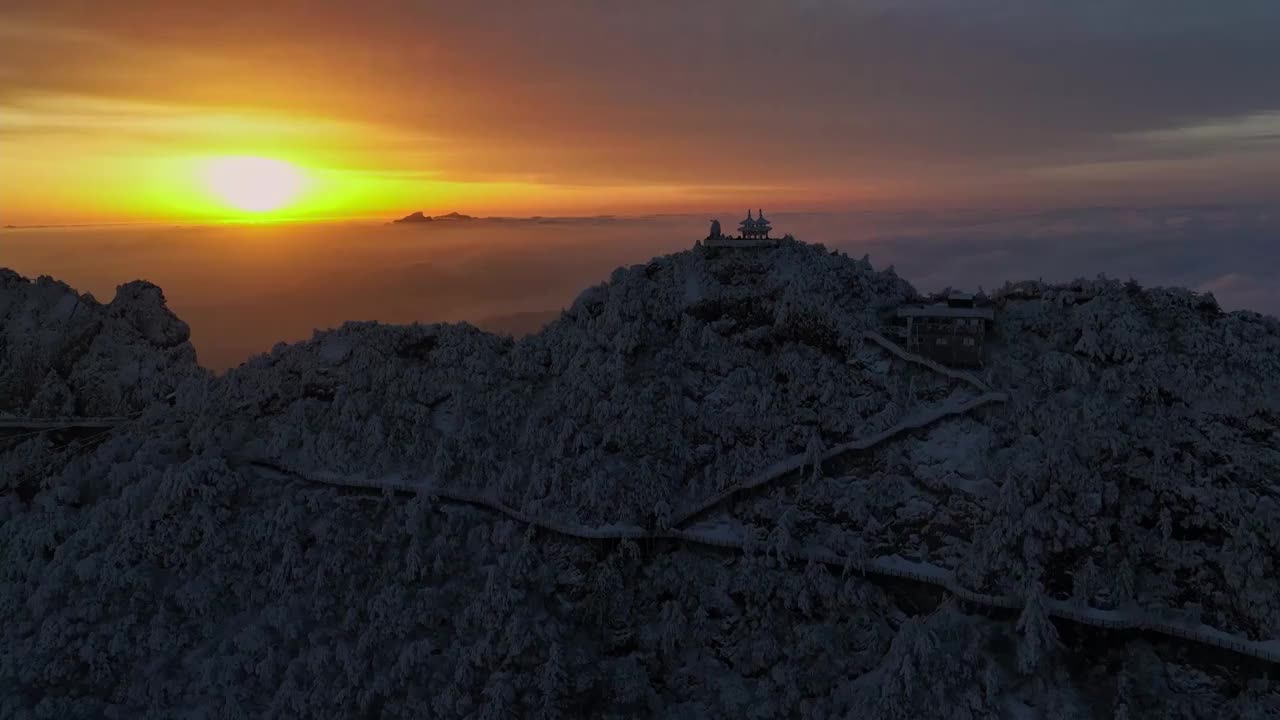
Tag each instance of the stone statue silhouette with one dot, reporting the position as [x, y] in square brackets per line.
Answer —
[715, 229]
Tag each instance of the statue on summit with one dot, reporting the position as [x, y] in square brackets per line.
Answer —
[715, 230]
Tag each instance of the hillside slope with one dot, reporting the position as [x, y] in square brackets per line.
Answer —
[1128, 465]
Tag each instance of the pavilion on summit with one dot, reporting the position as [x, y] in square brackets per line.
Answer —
[752, 232]
[755, 229]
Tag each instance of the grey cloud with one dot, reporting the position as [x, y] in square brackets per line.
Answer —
[1111, 66]
[910, 93]
[940, 78]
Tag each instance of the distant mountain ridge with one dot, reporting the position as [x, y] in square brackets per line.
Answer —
[419, 217]
[1131, 468]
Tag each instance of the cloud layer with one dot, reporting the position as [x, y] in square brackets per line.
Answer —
[830, 102]
[244, 288]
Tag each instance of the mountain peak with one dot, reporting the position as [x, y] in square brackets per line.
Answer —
[414, 217]
[419, 217]
[718, 430]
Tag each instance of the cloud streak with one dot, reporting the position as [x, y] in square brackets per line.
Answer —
[844, 102]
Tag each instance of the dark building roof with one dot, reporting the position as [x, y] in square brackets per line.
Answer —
[946, 311]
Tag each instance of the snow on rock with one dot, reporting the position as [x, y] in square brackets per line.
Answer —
[64, 354]
[154, 572]
[141, 305]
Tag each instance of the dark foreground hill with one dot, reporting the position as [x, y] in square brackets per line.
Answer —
[1114, 462]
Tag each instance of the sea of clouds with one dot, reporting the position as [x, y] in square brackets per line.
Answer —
[243, 288]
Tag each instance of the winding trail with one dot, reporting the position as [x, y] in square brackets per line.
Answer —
[397, 483]
[898, 567]
[794, 463]
[726, 535]
[909, 356]
[722, 536]
[784, 467]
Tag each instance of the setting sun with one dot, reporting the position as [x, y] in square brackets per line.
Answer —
[254, 184]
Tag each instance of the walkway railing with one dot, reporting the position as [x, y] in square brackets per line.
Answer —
[100, 423]
[909, 356]
[38, 425]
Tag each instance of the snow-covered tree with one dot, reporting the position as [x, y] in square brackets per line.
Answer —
[195, 538]
[1084, 583]
[551, 683]
[813, 455]
[1037, 637]
[1124, 583]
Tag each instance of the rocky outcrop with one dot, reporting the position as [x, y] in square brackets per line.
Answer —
[64, 354]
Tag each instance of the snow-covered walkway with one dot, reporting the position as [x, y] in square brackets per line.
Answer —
[789, 465]
[397, 483]
[724, 535]
[794, 463]
[901, 352]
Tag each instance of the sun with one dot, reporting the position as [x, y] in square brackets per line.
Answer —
[254, 184]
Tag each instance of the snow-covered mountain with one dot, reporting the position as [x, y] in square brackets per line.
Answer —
[733, 425]
[63, 354]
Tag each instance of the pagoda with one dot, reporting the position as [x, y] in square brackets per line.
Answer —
[754, 228]
[753, 232]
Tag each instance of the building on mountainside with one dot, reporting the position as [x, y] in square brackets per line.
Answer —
[950, 332]
[752, 232]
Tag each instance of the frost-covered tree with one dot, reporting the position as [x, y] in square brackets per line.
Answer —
[1037, 637]
[1123, 584]
[1084, 583]
[933, 668]
[194, 538]
[551, 683]
[813, 454]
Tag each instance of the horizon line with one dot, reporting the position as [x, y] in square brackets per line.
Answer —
[382, 219]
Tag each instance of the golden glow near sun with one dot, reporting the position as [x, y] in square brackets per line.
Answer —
[254, 184]
[87, 160]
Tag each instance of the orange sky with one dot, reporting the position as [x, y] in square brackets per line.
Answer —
[108, 109]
